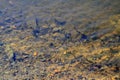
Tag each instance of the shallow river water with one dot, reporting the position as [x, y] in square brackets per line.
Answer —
[59, 39]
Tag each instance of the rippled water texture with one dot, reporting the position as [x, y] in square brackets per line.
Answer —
[59, 39]
[20, 11]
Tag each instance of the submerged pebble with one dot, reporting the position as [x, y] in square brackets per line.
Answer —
[51, 45]
[60, 23]
[35, 33]
[1, 43]
[14, 57]
[84, 37]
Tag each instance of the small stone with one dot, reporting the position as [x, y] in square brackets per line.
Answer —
[80, 77]
[14, 57]
[36, 33]
[68, 35]
[116, 78]
[60, 23]
[1, 44]
[43, 60]
[35, 53]
[51, 45]
[83, 37]
[71, 79]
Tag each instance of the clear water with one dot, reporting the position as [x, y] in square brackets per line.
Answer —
[75, 12]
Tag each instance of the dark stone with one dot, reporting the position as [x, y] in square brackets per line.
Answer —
[15, 73]
[49, 61]
[20, 59]
[18, 23]
[109, 64]
[43, 75]
[60, 64]
[117, 69]
[67, 36]
[57, 31]
[79, 58]
[72, 61]
[27, 79]
[1, 44]
[9, 20]
[95, 38]
[60, 23]
[8, 31]
[14, 57]
[36, 33]
[43, 60]
[83, 36]
[51, 45]
[98, 66]
[47, 56]
[92, 68]
[116, 78]
[71, 79]
[44, 31]
[80, 77]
